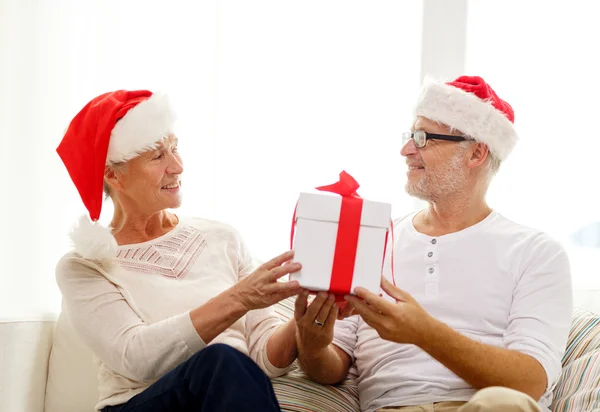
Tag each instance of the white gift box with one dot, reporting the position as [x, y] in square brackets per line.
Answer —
[317, 218]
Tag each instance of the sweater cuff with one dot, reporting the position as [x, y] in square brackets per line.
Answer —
[187, 333]
[271, 370]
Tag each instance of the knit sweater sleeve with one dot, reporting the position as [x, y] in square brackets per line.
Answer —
[114, 332]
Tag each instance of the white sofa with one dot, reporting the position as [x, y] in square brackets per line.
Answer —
[44, 367]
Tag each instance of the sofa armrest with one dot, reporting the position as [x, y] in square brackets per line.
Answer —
[24, 354]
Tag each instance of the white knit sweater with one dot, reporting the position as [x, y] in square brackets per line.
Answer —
[133, 312]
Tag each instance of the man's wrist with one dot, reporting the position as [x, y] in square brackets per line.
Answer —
[430, 333]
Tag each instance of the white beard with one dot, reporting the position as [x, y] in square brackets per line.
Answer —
[443, 181]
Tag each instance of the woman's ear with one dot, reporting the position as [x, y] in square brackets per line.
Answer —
[111, 177]
[479, 152]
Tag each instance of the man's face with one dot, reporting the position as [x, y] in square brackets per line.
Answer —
[437, 170]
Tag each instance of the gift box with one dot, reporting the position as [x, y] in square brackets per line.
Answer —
[340, 239]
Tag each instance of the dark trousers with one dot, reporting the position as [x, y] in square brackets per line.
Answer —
[216, 379]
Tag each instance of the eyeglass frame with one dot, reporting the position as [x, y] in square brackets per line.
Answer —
[406, 136]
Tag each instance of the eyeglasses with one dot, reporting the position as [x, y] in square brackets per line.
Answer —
[420, 138]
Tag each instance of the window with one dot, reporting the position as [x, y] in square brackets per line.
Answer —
[541, 57]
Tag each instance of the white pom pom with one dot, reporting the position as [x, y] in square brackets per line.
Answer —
[93, 241]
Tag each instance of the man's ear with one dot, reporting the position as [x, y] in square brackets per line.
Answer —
[479, 153]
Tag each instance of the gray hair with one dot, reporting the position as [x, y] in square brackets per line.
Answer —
[494, 162]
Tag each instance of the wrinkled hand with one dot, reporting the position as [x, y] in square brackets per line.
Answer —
[310, 335]
[261, 288]
[401, 322]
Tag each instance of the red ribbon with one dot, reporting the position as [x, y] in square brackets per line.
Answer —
[346, 242]
[347, 236]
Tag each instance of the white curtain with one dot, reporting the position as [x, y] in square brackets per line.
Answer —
[273, 97]
[542, 56]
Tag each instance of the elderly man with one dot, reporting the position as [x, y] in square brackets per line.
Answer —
[482, 317]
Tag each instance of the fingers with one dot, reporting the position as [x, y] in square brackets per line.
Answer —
[315, 306]
[346, 312]
[373, 300]
[323, 314]
[277, 287]
[368, 313]
[281, 271]
[331, 316]
[301, 304]
[279, 296]
[394, 291]
[279, 260]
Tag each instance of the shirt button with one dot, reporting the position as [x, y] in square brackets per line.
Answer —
[430, 254]
[431, 270]
[433, 241]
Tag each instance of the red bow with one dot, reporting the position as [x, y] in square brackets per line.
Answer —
[346, 186]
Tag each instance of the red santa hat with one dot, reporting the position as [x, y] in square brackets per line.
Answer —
[114, 127]
[470, 105]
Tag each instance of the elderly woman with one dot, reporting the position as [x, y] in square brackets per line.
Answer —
[170, 306]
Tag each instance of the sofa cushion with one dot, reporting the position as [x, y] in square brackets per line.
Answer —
[578, 388]
[72, 375]
[24, 349]
[297, 393]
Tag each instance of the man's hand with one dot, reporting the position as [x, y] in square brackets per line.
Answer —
[479, 364]
[401, 322]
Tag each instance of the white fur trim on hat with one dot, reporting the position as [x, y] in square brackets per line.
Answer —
[93, 241]
[469, 114]
[141, 128]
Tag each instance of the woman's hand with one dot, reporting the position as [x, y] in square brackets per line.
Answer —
[261, 288]
[314, 322]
